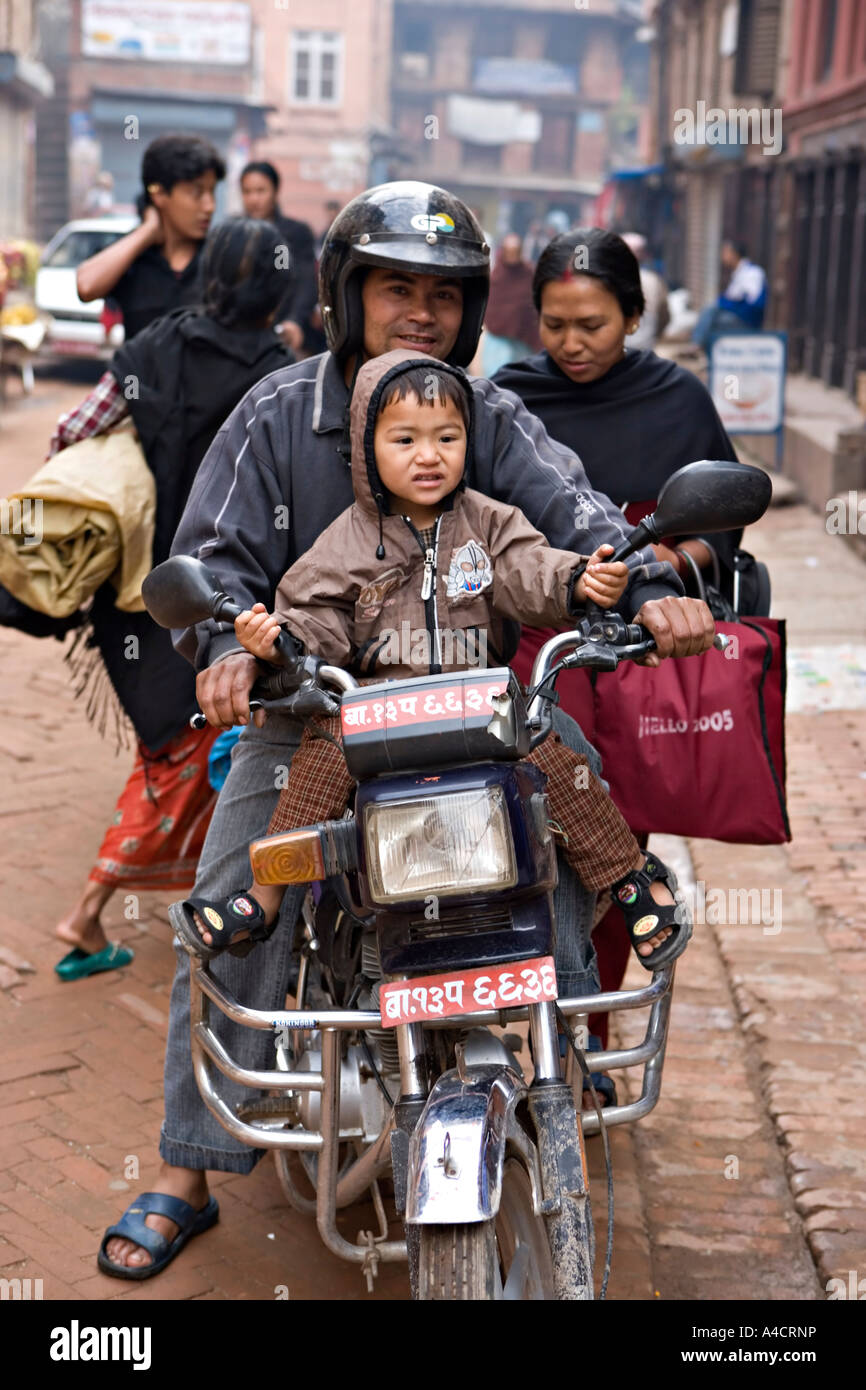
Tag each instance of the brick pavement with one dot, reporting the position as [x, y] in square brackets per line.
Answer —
[762, 1068]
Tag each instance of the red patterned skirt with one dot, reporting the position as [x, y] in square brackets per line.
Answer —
[161, 818]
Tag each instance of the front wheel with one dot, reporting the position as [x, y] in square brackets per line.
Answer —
[506, 1258]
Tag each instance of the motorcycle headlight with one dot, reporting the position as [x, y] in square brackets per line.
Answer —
[447, 845]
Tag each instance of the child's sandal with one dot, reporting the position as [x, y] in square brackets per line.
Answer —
[226, 919]
[645, 917]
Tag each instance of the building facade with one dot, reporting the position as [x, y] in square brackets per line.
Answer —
[127, 71]
[521, 108]
[788, 178]
[822, 273]
[25, 83]
[325, 80]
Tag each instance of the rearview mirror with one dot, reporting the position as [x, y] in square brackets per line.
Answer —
[182, 592]
[704, 498]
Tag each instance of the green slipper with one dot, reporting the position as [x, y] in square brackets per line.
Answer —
[78, 964]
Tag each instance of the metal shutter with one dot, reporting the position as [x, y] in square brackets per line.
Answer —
[757, 47]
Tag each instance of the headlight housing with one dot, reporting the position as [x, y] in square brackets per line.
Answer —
[449, 845]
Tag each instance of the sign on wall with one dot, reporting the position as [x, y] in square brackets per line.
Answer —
[167, 31]
[747, 381]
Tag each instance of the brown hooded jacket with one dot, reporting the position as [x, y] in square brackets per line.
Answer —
[417, 611]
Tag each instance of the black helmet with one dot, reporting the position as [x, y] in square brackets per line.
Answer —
[408, 226]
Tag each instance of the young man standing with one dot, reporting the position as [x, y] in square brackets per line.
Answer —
[154, 268]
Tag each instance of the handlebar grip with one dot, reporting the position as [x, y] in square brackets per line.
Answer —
[198, 721]
[276, 684]
[638, 633]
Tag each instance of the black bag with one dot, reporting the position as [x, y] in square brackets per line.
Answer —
[14, 613]
[750, 591]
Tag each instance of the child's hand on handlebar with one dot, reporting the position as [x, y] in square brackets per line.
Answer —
[257, 630]
[602, 583]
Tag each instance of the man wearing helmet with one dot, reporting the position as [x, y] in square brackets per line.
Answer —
[404, 265]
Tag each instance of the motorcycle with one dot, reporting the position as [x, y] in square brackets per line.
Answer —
[431, 925]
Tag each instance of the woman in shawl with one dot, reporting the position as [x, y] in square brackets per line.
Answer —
[178, 380]
[633, 419]
[510, 325]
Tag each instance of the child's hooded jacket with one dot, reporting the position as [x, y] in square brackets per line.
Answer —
[418, 611]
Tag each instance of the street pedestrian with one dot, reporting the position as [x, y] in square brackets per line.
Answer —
[332, 207]
[99, 200]
[656, 315]
[186, 370]
[632, 417]
[260, 184]
[510, 323]
[740, 307]
[387, 280]
[155, 267]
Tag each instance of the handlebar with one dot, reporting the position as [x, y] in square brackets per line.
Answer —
[601, 643]
[284, 689]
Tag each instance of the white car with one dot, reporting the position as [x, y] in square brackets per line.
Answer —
[76, 329]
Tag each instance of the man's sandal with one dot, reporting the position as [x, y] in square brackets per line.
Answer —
[227, 920]
[131, 1227]
[645, 917]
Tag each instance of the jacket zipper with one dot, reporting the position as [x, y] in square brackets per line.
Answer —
[428, 593]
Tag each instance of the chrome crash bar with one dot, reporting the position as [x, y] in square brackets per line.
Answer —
[207, 1049]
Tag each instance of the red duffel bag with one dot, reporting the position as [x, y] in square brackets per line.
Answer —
[695, 746]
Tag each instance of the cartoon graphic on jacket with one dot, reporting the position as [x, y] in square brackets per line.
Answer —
[486, 565]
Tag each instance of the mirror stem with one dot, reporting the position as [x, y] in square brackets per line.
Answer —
[643, 534]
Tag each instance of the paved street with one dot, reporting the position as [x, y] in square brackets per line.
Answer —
[747, 1180]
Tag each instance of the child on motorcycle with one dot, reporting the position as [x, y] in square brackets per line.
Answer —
[417, 543]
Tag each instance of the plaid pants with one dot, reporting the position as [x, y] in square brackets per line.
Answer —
[595, 839]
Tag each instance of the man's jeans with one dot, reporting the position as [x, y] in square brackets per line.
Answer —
[712, 320]
[191, 1137]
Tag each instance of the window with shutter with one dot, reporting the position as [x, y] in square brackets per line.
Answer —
[757, 47]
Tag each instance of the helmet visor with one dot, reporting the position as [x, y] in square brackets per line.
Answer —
[435, 253]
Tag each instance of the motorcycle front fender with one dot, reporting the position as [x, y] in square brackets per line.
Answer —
[459, 1145]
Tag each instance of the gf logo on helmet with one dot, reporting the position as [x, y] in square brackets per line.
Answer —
[433, 222]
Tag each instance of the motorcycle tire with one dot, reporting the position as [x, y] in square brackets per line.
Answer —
[485, 1260]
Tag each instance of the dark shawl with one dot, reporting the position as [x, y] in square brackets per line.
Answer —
[189, 373]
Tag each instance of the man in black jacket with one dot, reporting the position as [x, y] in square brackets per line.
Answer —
[405, 265]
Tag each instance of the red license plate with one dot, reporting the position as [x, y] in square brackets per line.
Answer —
[468, 991]
[452, 704]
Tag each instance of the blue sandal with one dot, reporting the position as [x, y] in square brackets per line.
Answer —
[131, 1227]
